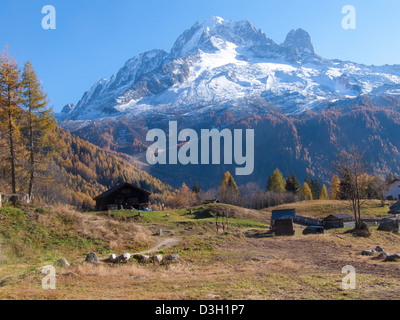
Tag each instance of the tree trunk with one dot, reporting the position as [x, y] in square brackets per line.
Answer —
[12, 153]
[31, 157]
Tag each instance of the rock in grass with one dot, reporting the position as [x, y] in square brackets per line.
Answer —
[62, 263]
[157, 259]
[389, 225]
[379, 249]
[123, 258]
[92, 258]
[112, 258]
[381, 256]
[172, 257]
[369, 252]
[393, 258]
[142, 258]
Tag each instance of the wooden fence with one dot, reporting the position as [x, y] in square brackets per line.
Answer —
[308, 221]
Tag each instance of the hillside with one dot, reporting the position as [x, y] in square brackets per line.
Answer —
[304, 144]
[88, 170]
[324, 208]
[245, 263]
[80, 171]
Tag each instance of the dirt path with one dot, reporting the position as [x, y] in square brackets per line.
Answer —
[166, 243]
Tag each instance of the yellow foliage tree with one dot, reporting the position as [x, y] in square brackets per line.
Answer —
[306, 192]
[324, 193]
[335, 188]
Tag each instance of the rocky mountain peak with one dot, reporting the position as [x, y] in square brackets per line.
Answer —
[299, 40]
[213, 33]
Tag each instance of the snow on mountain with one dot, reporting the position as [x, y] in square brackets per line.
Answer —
[219, 64]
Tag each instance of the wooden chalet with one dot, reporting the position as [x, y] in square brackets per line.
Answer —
[123, 196]
[338, 220]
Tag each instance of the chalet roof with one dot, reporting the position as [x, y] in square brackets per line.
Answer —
[339, 216]
[119, 187]
[283, 214]
[393, 182]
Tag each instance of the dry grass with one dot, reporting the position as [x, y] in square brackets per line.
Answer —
[87, 225]
[104, 270]
[323, 208]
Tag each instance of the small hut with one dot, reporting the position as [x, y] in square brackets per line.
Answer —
[395, 209]
[123, 196]
[338, 220]
[282, 222]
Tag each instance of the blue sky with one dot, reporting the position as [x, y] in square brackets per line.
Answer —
[94, 38]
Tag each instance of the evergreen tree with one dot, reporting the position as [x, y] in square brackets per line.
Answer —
[316, 188]
[196, 189]
[269, 181]
[292, 184]
[276, 183]
[324, 193]
[347, 186]
[390, 178]
[40, 123]
[375, 188]
[10, 100]
[306, 192]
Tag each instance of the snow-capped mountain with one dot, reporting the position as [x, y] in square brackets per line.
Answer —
[218, 65]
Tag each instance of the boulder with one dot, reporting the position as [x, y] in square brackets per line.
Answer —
[62, 263]
[369, 252]
[142, 258]
[172, 258]
[112, 258]
[92, 258]
[379, 249]
[157, 259]
[393, 258]
[389, 225]
[123, 258]
[381, 256]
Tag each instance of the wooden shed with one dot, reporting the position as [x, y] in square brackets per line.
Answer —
[338, 220]
[123, 196]
[282, 222]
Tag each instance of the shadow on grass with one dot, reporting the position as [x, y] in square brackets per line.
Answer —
[200, 213]
[258, 234]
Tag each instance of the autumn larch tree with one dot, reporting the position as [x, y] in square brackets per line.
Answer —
[334, 190]
[229, 191]
[10, 100]
[306, 192]
[276, 182]
[40, 124]
[324, 193]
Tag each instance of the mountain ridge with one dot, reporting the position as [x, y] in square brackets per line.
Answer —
[226, 64]
[221, 74]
